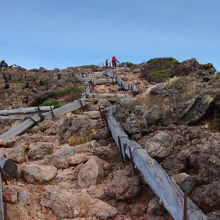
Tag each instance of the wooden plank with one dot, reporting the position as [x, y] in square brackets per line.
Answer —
[1, 200]
[155, 176]
[108, 96]
[26, 110]
[13, 117]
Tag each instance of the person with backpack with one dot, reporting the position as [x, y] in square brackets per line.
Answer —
[106, 62]
[114, 62]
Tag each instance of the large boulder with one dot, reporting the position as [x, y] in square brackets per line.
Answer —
[192, 67]
[69, 205]
[207, 197]
[189, 112]
[36, 173]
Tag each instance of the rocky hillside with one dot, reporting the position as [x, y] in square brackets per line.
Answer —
[70, 167]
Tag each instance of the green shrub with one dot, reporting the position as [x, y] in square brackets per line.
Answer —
[18, 81]
[172, 62]
[44, 81]
[68, 90]
[51, 102]
[159, 74]
[167, 60]
[153, 60]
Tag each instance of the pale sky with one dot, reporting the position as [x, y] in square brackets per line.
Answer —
[62, 33]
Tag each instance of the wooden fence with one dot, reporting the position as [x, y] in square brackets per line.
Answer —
[171, 196]
[121, 83]
[35, 119]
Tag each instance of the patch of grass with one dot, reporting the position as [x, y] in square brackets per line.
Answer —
[160, 74]
[218, 76]
[50, 182]
[78, 112]
[168, 60]
[52, 102]
[153, 60]
[44, 81]
[18, 81]
[76, 140]
[172, 62]
[68, 90]
[208, 99]
[191, 100]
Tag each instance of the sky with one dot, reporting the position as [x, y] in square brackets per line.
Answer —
[63, 33]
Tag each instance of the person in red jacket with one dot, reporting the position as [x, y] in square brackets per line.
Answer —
[114, 62]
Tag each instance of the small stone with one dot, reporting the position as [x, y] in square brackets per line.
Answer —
[93, 114]
[24, 197]
[155, 208]
[57, 160]
[188, 185]
[68, 175]
[78, 158]
[39, 150]
[18, 154]
[160, 145]
[10, 195]
[66, 150]
[103, 103]
[180, 177]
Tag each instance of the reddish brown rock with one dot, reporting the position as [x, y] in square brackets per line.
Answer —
[17, 212]
[124, 185]
[91, 173]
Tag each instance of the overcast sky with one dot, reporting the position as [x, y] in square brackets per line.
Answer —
[61, 33]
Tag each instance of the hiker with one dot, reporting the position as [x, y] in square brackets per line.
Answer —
[106, 62]
[114, 62]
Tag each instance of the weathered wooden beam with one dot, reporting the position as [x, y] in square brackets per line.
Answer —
[26, 110]
[108, 96]
[171, 196]
[2, 217]
[13, 117]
